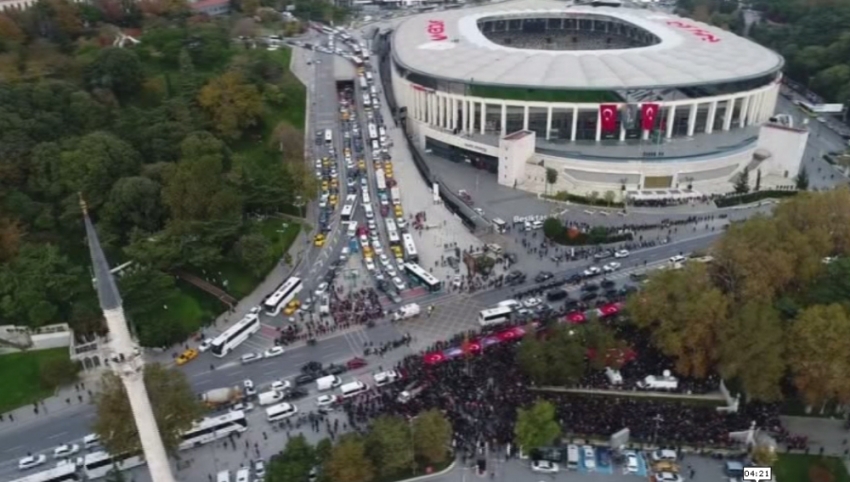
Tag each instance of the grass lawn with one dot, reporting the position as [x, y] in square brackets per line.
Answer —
[21, 380]
[539, 95]
[799, 468]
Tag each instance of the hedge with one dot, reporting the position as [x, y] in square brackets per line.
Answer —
[751, 197]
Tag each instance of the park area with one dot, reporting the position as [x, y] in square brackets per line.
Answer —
[31, 375]
[810, 468]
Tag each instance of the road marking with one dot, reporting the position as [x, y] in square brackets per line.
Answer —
[16, 447]
[57, 435]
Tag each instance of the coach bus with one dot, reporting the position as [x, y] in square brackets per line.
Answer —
[409, 246]
[373, 132]
[494, 316]
[424, 278]
[66, 472]
[213, 428]
[100, 464]
[280, 297]
[347, 212]
[235, 335]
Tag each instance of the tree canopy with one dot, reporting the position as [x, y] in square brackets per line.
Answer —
[536, 426]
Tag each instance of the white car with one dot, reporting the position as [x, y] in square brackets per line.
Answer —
[632, 464]
[260, 469]
[592, 271]
[65, 450]
[399, 284]
[384, 259]
[205, 345]
[248, 384]
[611, 267]
[544, 467]
[325, 400]
[391, 272]
[280, 386]
[385, 378]
[320, 290]
[370, 265]
[31, 461]
[273, 352]
[589, 457]
[242, 406]
[668, 477]
[623, 253]
[532, 302]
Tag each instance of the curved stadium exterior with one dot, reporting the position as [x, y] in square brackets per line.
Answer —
[613, 98]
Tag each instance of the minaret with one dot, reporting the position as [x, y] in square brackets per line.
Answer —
[125, 358]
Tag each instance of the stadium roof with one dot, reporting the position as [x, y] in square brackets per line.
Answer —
[449, 45]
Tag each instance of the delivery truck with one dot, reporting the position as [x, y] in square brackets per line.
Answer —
[407, 311]
[328, 383]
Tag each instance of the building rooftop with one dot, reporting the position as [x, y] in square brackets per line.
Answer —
[449, 45]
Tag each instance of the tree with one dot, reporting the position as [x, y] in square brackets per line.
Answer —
[134, 202]
[10, 238]
[610, 197]
[551, 177]
[175, 408]
[593, 196]
[232, 103]
[536, 426]
[685, 314]
[188, 76]
[833, 286]
[390, 445]
[294, 462]
[348, 462]
[147, 292]
[255, 252]
[432, 435]
[94, 163]
[752, 350]
[801, 181]
[10, 33]
[819, 354]
[557, 360]
[118, 70]
[742, 182]
[56, 372]
[290, 142]
[763, 455]
[553, 228]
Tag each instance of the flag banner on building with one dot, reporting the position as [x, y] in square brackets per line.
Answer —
[628, 116]
[648, 116]
[608, 117]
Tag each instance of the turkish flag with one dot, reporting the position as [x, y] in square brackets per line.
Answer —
[648, 114]
[608, 117]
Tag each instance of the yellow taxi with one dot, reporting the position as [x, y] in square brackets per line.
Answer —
[187, 356]
[360, 70]
[378, 164]
[388, 164]
[326, 162]
[361, 164]
[398, 212]
[333, 200]
[319, 240]
[367, 252]
[397, 251]
[324, 185]
[334, 184]
[292, 307]
[665, 466]
[388, 173]
[345, 115]
[347, 151]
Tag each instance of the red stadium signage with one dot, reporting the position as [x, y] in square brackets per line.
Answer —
[437, 30]
[703, 35]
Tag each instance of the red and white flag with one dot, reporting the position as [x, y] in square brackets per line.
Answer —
[608, 117]
[648, 115]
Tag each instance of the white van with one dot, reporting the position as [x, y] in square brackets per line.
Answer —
[243, 475]
[270, 397]
[223, 476]
[91, 440]
[366, 198]
[353, 389]
[280, 411]
[367, 208]
[328, 382]
[352, 229]
[512, 304]
[572, 457]
[375, 146]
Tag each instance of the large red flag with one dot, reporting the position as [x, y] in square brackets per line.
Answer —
[608, 117]
[648, 115]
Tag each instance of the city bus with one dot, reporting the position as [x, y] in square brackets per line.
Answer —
[235, 335]
[211, 429]
[410, 253]
[347, 212]
[494, 316]
[329, 136]
[280, 297]
[100, 464]
[392, 234]
[66, 472]
[424, 278]
[373, 132]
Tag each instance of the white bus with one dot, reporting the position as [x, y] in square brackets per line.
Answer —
[284, 293]
[392, 234]
[351, 199]
[366, 198]
[410, 253]
[347, 212]
[373, 132]
[380, 180]
[213, 428]
[66, 472]
[363, 84]
[100, 464]
[424, 278]
[367, 101]
[329, 136]
[280, 411]
[494, 316]
[235, 335]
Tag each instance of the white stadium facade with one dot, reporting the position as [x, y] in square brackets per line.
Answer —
[625, 99]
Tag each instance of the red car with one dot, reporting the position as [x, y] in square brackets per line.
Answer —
[356, 363]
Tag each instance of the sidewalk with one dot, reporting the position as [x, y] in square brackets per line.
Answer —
[66, 402]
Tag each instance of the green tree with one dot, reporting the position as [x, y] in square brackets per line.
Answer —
[133, 203]
[94, 163]
[742, 182]
[551, 177]
[819, 354]
[536, 426]
[801, 181]
[118, 70]
[294, 462]
[147, 292]
[56, 372]
[389, 445]
[175, 407]
[348, 462]
[232, 104]
[610, 197]
[553, 228]
[188, 76]
[255, 252]
[833, 286]
[432, 435]
[289, 141]
[558, 360]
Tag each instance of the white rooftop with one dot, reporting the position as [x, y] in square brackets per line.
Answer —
[449, 45]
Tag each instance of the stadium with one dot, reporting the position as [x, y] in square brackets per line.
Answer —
[623, 99]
